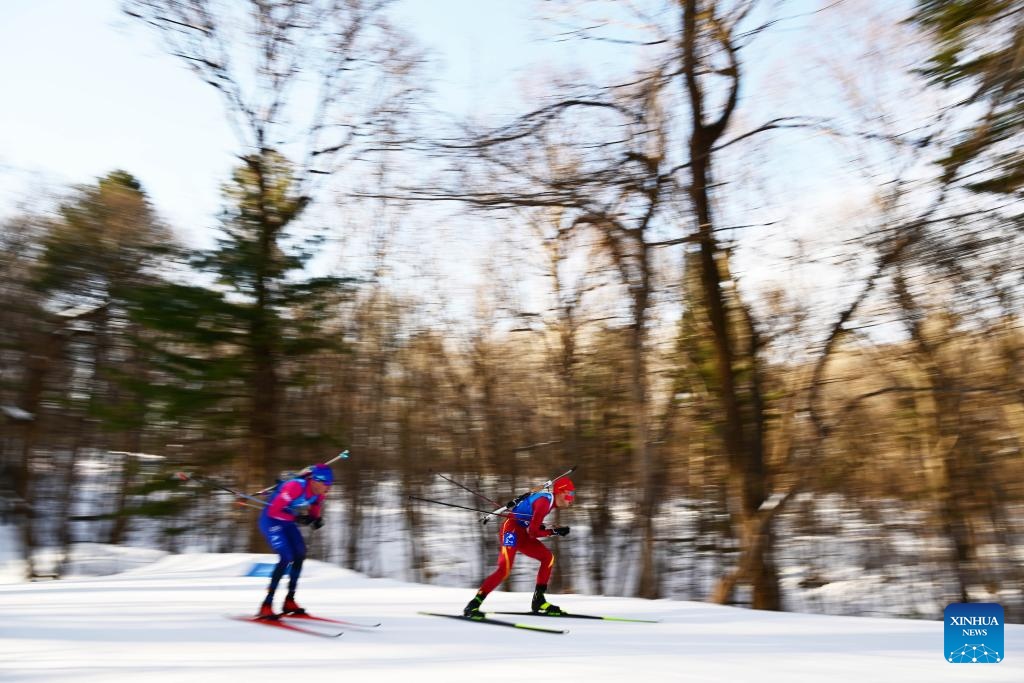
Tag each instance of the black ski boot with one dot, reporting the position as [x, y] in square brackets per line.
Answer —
[541, 605]
[472, 609]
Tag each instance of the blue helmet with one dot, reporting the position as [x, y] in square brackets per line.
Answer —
[321, 472]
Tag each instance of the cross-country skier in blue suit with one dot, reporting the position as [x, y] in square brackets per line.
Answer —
[279, 524]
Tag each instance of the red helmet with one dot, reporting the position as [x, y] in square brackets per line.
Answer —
[565, 485]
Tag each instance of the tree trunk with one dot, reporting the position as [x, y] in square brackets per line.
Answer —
[743, 445]
[408, 450]
[131, 441]
[956, 479]
[43, 349]
[648, 584]
[264, 385]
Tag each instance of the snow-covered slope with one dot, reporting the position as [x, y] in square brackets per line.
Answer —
[166, 621]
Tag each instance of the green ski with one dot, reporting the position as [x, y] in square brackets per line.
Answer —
[563, 615]
[495, 622]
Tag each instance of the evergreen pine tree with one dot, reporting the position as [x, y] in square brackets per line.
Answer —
[226, 352]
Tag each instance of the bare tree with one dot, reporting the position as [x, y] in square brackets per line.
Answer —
[314, 80]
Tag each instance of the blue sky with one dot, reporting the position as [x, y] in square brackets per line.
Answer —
[88, 96]
[87, 91]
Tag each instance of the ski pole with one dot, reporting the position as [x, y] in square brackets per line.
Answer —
[512, 503]
[506, 515]
[203, 481]
[466, 488]
[344, 455]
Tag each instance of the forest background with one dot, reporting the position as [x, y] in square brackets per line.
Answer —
[753, 266]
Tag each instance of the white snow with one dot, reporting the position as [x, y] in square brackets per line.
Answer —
[166, 621]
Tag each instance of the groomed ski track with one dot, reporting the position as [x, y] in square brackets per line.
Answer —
[165, 622]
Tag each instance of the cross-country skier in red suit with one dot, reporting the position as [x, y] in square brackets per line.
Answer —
[279, 523]
[519, 534]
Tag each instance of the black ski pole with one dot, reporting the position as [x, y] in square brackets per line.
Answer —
[466, 488]
[512, 503]
[503, 513]
[185, 476]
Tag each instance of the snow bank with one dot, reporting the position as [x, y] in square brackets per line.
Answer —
[166, 622]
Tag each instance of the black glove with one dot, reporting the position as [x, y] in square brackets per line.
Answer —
[317, 522]
[304, 520]
[560, 531]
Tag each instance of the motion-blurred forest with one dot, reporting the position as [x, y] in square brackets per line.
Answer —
[854, 410]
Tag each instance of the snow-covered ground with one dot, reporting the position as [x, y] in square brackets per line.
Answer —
[166, 621]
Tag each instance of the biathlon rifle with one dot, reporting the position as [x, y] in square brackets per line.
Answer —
[520, 498]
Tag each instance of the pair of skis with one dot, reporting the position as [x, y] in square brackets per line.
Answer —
[533, 627]
[290, 622]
